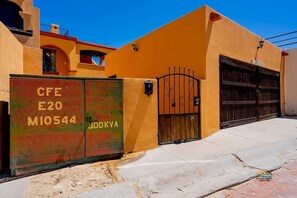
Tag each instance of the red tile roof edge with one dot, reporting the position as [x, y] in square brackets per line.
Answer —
[74, 39]
[58, 36]
[96, 45]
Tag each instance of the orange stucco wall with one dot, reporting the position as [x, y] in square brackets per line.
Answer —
[85, 46]
[194, 42]
[230, 39]
[32, 60]
[180, 43]
[67, 46]
[88, 70]
[10, 48]
[62, 61]
[68, 55]
[140, 116]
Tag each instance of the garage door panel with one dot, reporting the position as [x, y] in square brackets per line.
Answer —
[248, 93]
[269, 94]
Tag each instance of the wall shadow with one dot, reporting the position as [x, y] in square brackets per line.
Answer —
[4, 137]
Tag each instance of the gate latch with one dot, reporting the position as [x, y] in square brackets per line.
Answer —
[196, 101]
[173, 104]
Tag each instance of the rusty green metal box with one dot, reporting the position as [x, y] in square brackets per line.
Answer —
[55, 121]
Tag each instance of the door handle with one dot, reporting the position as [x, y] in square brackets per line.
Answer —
[89, 119]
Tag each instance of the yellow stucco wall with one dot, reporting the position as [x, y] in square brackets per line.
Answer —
[194, 42]
[180, 43]
[10, 49]
[140, 116]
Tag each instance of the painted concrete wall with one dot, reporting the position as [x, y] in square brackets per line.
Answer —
[89, 46]
[180, 43]
[32, 60]
[10, 49]
[194, 42]
[140, 116]
[230, 39]
[88, 70]
[291, 83]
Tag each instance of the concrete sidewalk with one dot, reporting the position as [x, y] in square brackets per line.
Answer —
[199, 168]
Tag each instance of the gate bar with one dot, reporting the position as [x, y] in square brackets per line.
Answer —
[179, 90]
[184, 91]
[193, 92]
[189, 73]
[174, 91]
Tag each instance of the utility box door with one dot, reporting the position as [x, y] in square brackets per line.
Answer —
[104, 117]
[47, 121]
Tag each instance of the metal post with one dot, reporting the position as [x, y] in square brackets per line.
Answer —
[184, 91]
[193, 91]
[169, 93]
[174, 90]
[179, 90]
[189, 90]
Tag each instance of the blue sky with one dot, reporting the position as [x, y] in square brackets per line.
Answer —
[118, 22]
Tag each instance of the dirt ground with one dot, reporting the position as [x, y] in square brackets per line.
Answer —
[70, 181]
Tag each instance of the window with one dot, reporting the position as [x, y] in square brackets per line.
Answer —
[49, 60]
[92, 57]
[9, 15]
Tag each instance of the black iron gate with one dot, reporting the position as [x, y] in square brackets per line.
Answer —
[179, 107]
[248, 93]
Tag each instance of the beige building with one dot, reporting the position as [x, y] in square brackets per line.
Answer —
[291, 82]
[20, 42]
[69, 56]
[26, 49]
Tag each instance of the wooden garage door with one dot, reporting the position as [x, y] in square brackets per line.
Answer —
[248, 93]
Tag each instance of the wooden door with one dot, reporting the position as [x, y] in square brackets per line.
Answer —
[248, 93]
[179, 107]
